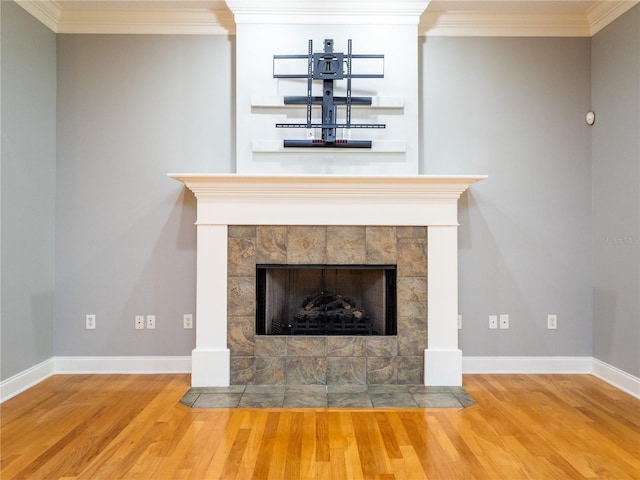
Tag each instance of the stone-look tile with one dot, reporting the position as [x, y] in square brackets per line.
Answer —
[271, 371]
[306, 244]
[347, 388]
[305, 389]
[300, 346]
[305, 396]
[271, 244]
[241, 336]
[346, 245]
[217, 400]
[306, 370]
[410, 370]
[241, 260]
[465, 399]
[411, 232]
[346, 370]
[436, 389]
[265, 389]
[262, 400]
[381, 245]
[229, 389]
[349, 400]
[382, 388]
[270, 346]
[241, 296]
[412, 297]
[242, 371]
[393, 400]
[412, 257]
[241, 231]
[436, 400]
[189, 398]
[412, 337]
[382, 347]
[347, 346]
[381, 370]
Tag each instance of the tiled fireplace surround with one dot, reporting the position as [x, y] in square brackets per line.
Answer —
[330, 360]
[248, 219]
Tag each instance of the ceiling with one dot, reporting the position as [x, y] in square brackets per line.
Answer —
[574, 18]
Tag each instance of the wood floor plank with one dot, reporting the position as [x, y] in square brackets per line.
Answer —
[126, 427]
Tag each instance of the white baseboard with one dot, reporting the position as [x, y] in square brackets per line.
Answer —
[616, 377]
[155, 365]
[554, 365]
[87, 365]
[523, 365]
[20, 382]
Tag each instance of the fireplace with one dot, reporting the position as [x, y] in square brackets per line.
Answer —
[325, 299]
[232, 206]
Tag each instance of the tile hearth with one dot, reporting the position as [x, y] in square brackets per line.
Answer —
[327, 396]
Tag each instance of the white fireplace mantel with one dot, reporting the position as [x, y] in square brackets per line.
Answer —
[408, 200]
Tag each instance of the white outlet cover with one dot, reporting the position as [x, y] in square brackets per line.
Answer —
[504, 321]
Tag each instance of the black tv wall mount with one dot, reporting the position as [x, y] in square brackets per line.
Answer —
[328, 66]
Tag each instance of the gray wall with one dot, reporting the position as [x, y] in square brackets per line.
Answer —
[513, 108]
[28, 66]
[616, 197]
[131, 109]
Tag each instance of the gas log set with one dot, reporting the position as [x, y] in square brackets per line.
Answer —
[328, 313]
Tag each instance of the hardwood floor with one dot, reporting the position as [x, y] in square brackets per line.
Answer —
[132, 427]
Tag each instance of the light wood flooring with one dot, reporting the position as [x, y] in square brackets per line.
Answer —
[133, 427]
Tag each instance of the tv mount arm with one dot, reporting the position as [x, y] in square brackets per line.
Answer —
[328, 66]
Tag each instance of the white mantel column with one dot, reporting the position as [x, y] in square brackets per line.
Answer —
[211, 359]
[442, 358]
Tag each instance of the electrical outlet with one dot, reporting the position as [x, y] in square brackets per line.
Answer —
[139, 324]
[459, 322]
[187, 320]
[90, 322]
[504, 321]
[552, 322]
[493, 322]
[151, 322]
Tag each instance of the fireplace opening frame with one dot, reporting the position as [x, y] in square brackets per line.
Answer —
[378, 283]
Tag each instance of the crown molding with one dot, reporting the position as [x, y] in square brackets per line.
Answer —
[47, 12]
[491, 24]
[175, 21]
[603, 13]
[220, 17]
[122, 19]
[328, 11]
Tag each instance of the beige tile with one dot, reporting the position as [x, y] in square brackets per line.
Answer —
[301, 346]
[241, 335]
[241, 295]
[381, 245]
[270, 371]
[346, 245]
[412, 257]
[271, 244]
[241, 231]
[306, 244]
[241, 257]
[412, 297]
[306, 370]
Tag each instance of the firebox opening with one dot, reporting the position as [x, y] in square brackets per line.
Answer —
[326, 300]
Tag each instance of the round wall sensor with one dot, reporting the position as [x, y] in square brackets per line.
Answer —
[591, 118]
